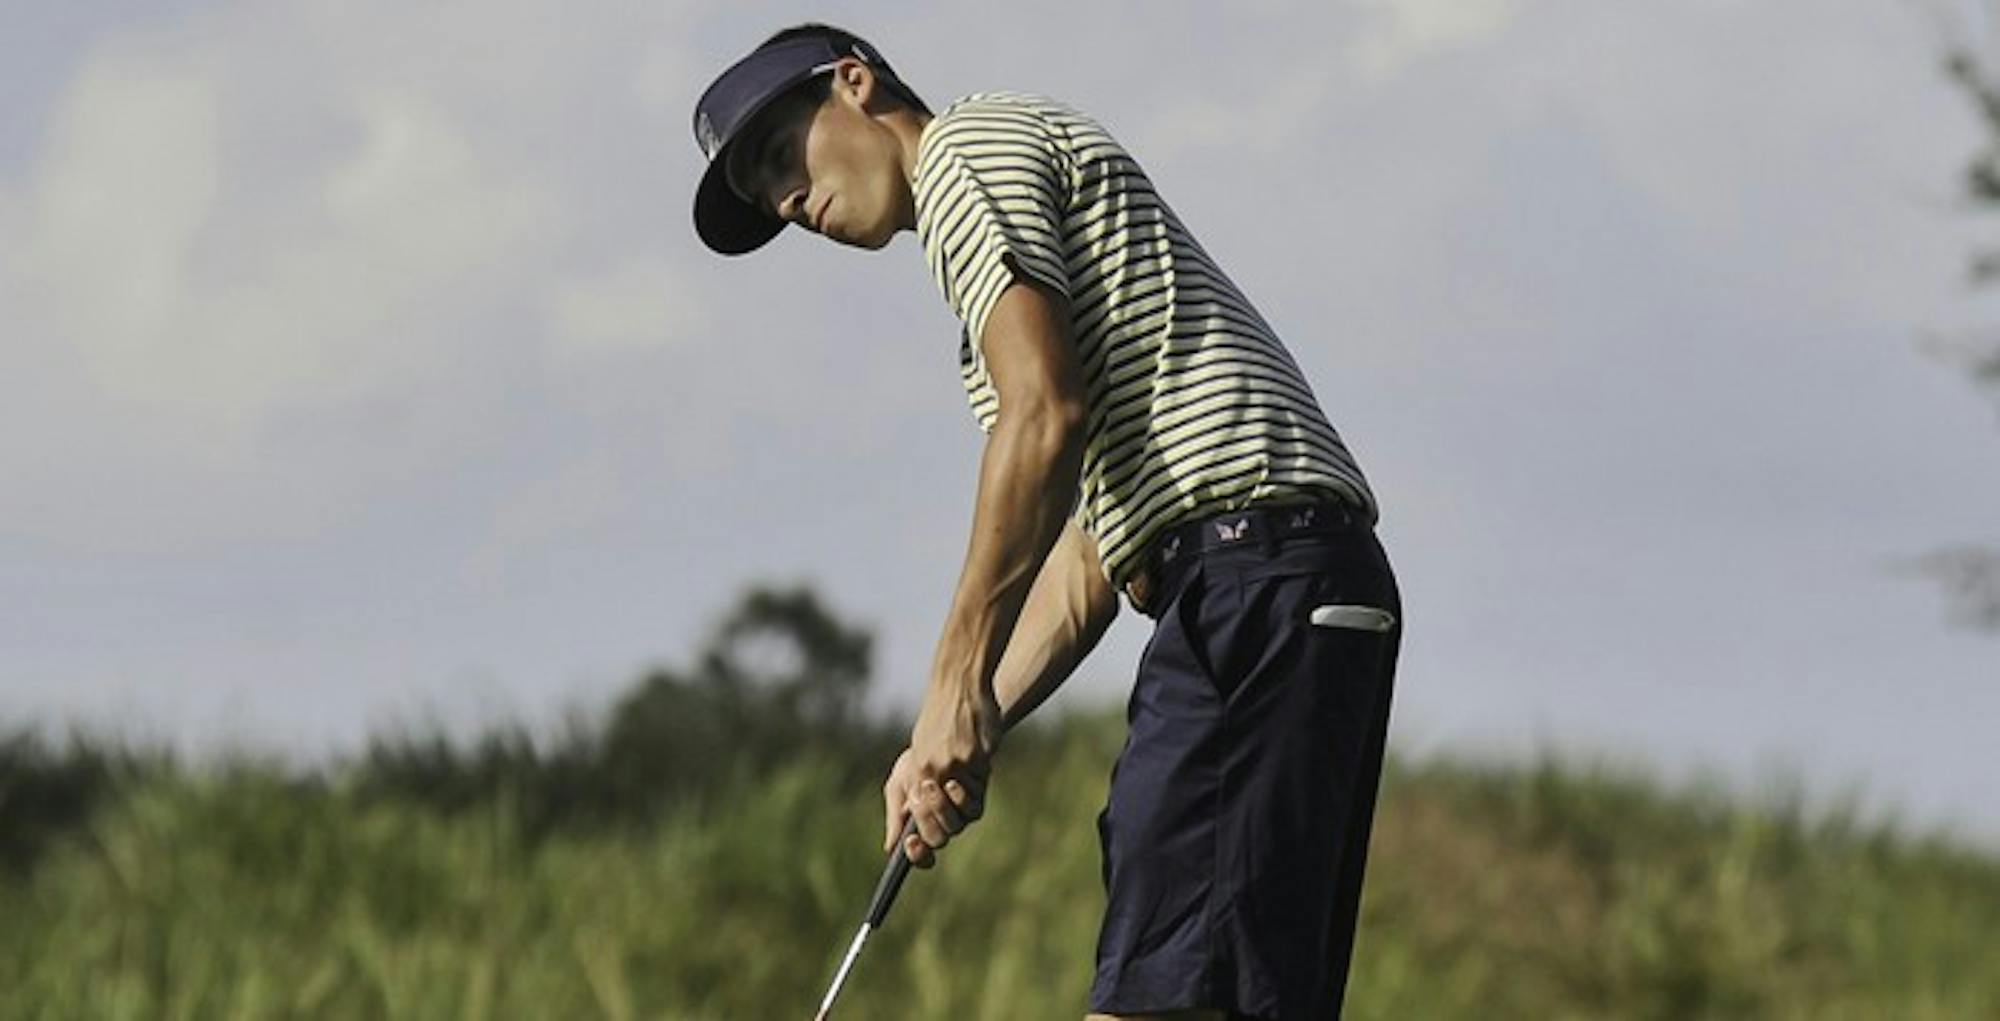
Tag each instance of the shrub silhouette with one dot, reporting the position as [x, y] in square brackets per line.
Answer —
[45, 792]
[779, 679]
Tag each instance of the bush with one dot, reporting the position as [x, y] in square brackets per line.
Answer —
[781, 678]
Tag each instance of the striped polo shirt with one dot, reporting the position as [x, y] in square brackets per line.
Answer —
[1195, 407]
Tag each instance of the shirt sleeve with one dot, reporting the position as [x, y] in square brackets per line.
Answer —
[993, 186]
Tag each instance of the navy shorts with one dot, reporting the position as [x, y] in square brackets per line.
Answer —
[1237, 825]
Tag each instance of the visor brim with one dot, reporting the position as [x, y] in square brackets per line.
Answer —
[727, 224]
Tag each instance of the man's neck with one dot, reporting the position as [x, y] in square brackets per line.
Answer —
[908, 127]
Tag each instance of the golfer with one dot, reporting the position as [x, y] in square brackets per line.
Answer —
[1147, 434]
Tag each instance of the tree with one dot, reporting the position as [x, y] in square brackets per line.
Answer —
[780, 679]
[1970, 573]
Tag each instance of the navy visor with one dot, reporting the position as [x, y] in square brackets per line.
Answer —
[727, 223]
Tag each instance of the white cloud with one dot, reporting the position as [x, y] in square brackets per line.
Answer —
[177, 302]
[1279, 104]
[1398, 33]
[126, 182]
[1271, 122]
[641, 305]
[353, 292]
[263, 217]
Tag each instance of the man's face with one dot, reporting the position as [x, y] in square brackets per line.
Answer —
[828, 167]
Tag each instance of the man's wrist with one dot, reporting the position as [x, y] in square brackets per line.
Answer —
[962, 668]
[959, 685]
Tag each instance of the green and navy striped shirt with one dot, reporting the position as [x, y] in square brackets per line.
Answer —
[1196, 408]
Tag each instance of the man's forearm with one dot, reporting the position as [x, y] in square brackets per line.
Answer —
[1027, 484]
[1068, 610]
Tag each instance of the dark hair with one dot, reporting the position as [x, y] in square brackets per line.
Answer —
[819, 87]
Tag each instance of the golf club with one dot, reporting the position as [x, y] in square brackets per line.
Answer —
[878, 909]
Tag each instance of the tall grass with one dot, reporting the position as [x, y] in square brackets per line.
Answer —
[1535, 892]
[705, 854]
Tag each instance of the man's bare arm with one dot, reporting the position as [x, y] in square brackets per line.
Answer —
[1066, 614]
[1027, 485]
[1027, 481]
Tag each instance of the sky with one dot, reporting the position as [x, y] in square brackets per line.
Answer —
[359, 366]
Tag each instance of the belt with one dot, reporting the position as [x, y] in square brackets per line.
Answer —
[1252, 527]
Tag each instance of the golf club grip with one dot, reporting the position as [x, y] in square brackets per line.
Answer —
[893, 875]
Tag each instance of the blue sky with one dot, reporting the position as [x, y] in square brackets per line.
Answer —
[361, 367]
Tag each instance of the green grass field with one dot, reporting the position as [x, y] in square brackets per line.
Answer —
[1534, 892]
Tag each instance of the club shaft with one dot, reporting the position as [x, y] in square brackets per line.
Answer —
[840, 977]
[893, 873]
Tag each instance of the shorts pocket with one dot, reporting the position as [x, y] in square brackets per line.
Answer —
[1352, 617]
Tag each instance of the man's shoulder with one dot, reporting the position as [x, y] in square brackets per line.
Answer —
[1002, 99]
[1016, 123]
[997, 110]
[974, 130]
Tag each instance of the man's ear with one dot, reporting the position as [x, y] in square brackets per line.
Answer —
[854, 78]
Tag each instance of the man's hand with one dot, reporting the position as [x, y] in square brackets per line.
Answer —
[940, 779]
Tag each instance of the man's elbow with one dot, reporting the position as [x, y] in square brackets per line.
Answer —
[1050, 417]
[1067, 418]
[1056, 423]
